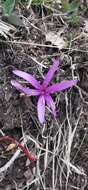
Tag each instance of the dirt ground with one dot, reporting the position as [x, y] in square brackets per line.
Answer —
[18, 116]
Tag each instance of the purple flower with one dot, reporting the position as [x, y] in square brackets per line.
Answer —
[43, 90]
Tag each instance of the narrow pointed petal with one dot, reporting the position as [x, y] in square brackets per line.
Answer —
[50, 103]
[41, 109]
[27, 77]
[26, 90]
[51, 72]
[61, 86]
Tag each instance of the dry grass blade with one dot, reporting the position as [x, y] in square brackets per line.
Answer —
[6, 29]
[46, 155]
[68, 147]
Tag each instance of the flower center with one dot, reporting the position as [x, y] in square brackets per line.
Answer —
[43, 91]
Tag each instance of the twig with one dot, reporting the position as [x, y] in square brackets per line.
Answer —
[40, 45]
[26, 152]
[17, 153]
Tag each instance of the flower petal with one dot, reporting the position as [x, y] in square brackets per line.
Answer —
[26, 90]
[41, 109]
[51, 72]
[27, 77]
[50, 103]
[61, 86]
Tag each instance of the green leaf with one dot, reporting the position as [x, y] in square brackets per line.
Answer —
[70, 7]
[37, 2]
[74, 20]
[15, 20]
[65, 5]
[74, 5]
[8, 7]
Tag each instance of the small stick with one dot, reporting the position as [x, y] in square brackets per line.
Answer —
[26, 152]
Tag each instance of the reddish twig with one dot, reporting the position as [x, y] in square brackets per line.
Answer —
[30, 156]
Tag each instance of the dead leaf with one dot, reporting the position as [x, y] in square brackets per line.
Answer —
[10, 147]
[56, 39]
